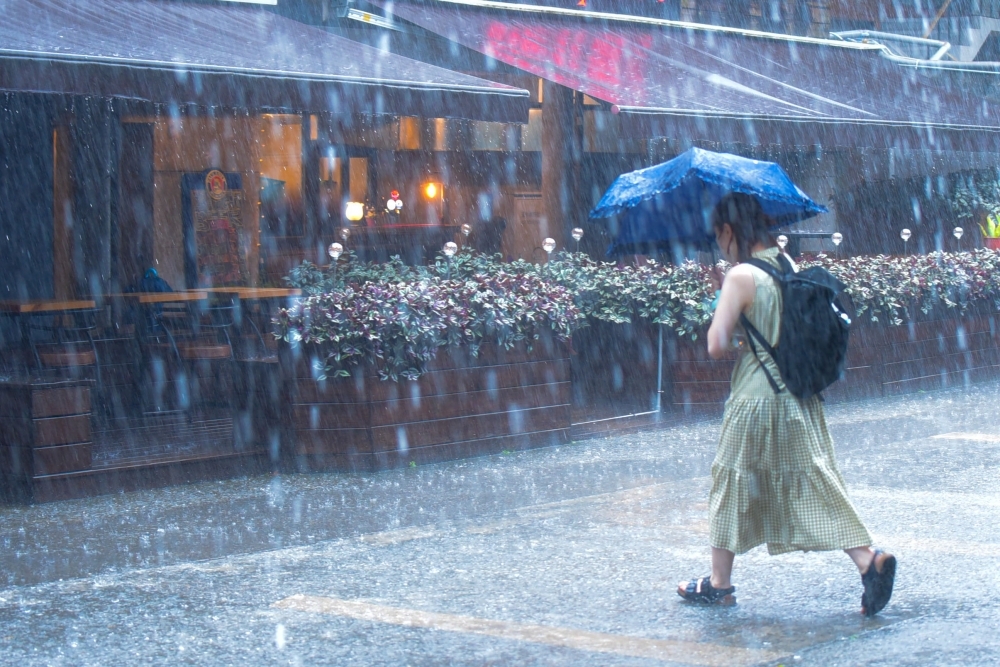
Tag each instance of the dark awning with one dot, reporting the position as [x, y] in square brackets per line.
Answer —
[678, 79]
[230, 56]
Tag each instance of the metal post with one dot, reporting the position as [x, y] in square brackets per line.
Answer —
[659, 373]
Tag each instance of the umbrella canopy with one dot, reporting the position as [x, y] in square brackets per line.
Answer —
[672, 203]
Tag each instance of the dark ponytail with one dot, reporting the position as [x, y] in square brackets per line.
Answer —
[750, 225]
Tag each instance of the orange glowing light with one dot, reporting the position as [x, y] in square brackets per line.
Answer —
[431, 190]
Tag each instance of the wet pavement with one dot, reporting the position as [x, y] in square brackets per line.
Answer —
[560, 556]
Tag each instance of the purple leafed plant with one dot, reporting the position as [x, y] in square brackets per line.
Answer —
[397, 317]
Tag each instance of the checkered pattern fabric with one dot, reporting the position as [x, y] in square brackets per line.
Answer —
[775, 479]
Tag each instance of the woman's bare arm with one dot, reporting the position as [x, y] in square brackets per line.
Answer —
[738, 291]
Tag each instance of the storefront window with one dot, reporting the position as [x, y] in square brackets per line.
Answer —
[280, 160]
[495, 136]
[358, 174]
[531, 134]
[331, 186]
[409, 133]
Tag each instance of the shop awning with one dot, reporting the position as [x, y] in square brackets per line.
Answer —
[732, 85]
[230, 56]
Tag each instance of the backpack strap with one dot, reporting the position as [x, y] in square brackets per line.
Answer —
[771, 269]
[752, 333]
[779, 275]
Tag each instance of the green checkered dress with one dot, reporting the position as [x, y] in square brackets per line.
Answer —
[774, 478]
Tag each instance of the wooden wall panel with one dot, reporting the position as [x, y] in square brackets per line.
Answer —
[60, 401]
[416, 408]
[400, 437]
[460, 401]
[61, 430]
[45, 431]
[62, 458]
[881, 360]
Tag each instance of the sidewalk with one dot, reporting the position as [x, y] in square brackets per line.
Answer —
[563, 556]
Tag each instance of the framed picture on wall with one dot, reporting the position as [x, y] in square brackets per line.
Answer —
[215, 239]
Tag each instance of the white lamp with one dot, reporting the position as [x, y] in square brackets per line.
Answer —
[354, 211]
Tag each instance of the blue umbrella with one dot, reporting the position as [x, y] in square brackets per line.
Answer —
[671, 203]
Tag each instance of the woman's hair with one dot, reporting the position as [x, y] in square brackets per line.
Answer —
[749, 222]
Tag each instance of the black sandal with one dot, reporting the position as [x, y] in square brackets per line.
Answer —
[701, 590]
[878, 585]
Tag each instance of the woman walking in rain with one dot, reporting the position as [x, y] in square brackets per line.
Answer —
[774, 478]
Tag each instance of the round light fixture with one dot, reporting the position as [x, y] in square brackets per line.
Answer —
[336, 250]
[354, 211]
[450, 248]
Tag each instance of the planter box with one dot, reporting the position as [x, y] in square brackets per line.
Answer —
[462, 407]
[931, 354]
[882, 360]
[698, 383]
[45, 433]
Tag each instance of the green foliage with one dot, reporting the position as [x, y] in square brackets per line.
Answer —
[976, 193]
[882, 287]
[992, 228]
[312, 279]
[397, 317]
[399, 325]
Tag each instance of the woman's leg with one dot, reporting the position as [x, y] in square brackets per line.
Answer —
[862, 557]
[722, 567]
[716, 589]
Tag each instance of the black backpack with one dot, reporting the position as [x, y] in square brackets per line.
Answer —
[812, 344]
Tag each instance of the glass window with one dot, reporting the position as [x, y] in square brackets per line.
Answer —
[358, 178]
[531, 134]
[280, 168]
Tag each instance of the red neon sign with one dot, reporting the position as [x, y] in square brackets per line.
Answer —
[602, 64]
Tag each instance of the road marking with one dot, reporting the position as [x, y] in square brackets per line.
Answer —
[398, 536]
[693, 653]
[974, 437]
